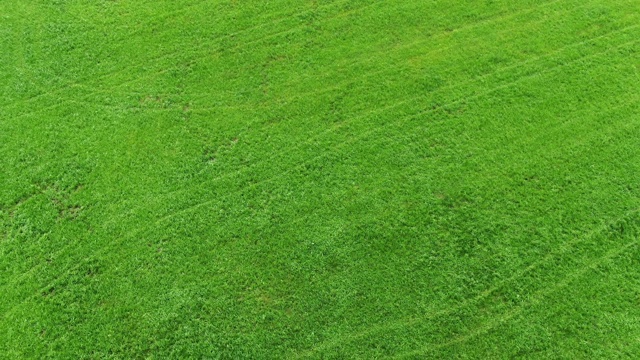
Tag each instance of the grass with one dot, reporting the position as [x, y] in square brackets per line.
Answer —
[306, 180]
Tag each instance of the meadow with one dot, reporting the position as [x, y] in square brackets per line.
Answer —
[319, 179]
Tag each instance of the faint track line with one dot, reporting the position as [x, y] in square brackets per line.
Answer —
[3, 106]
[147, 76]
[171, 53]
[352, 140]
[386, 52]
[364, 115]
[376, 129]
[200, 56]
[288, 99]
[409, 321]
[437, 35]
[65, 101]
[377, 72]
[535, 299]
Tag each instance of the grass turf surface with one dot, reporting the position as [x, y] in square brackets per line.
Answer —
[319, 179]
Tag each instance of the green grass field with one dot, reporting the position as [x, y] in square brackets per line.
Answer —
[319, 179]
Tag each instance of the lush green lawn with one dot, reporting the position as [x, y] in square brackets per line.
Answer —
[319, 179]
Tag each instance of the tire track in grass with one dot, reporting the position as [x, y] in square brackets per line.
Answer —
[415, 320]
[161, 57]
[268, 179]
[71, 100]
[311, 139]
[369, 59]
[364, 115]
[406, 101]
[146, 76]
[379, 128]
[168, 55]
[297, 220]
[479, 23]
[199, 57]
[140, 230]
[537, 297]
[373, 130]
[480, 77]
[632, 100]
[368, 56]
[285, 100]
[409, 321]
